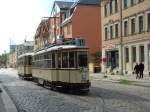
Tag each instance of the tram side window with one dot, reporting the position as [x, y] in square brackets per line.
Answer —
[65, 60]
[71, 60]
[49, 61]
[26, 60]
[82, 59]
[59, 60]
[53, 60]
[30, 60]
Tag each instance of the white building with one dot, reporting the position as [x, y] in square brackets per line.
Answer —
[135, 36]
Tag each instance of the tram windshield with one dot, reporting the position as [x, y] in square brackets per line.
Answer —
[82, 59]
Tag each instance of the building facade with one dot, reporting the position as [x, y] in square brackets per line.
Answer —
[125, 35]
[18, 50]
[12, 60]
[49, 31]
[42, 35]
[58, 14]
[26, 47]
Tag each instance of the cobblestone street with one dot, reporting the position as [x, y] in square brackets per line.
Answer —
[103, 97]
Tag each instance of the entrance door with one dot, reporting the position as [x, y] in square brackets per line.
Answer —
[112, 59]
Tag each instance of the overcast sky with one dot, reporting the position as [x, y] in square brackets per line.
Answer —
[19, 19]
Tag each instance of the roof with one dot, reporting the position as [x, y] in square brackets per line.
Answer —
[26, 54]
[64, 4]
[54, 48]
[87, 2]
[29, 43]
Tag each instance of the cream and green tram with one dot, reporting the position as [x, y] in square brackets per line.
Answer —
[63, 66]
[25, 66]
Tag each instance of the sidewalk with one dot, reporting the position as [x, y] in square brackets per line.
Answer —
[145, 82]
[2, 109]
[6, 104]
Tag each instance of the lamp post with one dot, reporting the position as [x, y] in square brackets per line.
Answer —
[121, 39]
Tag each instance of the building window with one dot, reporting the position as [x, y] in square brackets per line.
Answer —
[134, 53]
[125, 4]
[110, 7]
[141, 53]
[116, 30]
[116, 6]
[105, 10]
[127, 54]
[125, 28]
[106, 35]
[132, 25]
[68, 29]
[141, 24]
[148, 21]
[111, 32]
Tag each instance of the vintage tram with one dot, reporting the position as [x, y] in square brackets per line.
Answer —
[62, 66]
[25, 66]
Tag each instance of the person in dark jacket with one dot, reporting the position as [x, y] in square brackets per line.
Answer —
[141, 69]
[136, 69]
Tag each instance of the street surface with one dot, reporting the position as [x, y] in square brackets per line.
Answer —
[104, 96]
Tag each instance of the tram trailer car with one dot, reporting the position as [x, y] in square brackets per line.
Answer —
[63, 66]
[25, 66]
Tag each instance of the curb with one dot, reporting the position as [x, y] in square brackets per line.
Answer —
[8, 103]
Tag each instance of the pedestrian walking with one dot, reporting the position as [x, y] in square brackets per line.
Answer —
[141, 69]
[136, 69]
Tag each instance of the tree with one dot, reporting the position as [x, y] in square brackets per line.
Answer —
[3, 59]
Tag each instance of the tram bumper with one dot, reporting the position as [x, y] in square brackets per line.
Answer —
[77, 86]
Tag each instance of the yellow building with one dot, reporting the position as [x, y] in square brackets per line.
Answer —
[123, 47]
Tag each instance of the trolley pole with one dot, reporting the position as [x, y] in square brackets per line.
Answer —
[121, 39]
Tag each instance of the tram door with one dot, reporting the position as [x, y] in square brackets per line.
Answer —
[58, 59]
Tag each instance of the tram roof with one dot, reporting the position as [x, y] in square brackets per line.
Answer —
[26, 54]
[60, 47]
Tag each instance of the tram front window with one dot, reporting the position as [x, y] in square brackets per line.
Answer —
[65, 60]
[82, 59]
[53, 60]
[71, 60]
